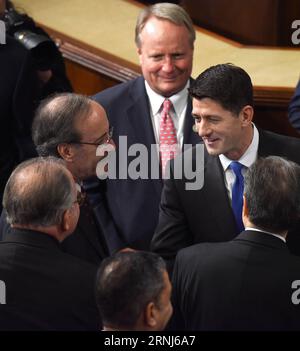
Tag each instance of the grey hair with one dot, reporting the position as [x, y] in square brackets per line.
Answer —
[165, 11]
[272, 188]
[55, 120]
[38, 192]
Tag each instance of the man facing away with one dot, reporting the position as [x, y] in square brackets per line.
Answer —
[251, 282]
[141, 110]
[46, 289]
[223, 112]
[133, 292]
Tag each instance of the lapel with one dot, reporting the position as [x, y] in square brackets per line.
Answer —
[216, 197]
[141, 129]
[87, 225]
[189, 136]
[138, 115]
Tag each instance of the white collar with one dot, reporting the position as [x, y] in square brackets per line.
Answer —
[269, 233]
[178, 100]
[249, 156]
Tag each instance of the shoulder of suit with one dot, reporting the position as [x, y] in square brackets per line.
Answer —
[119, 89]
[265, 134]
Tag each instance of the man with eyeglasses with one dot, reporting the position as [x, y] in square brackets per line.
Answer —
[71, 127]
[46, 289]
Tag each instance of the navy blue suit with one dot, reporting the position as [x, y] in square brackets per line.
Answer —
[294, 109]
[134, 203]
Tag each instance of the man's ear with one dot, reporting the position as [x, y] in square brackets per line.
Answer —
[66, 152]
[65, 222]
[150, 314]
[139, 52]
[245, 212]
[247, 115]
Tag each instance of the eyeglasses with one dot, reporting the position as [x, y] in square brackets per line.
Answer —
[80, 198]
[105, 139]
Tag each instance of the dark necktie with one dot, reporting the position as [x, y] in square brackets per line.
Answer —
[237, 194]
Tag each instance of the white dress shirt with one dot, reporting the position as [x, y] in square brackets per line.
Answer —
[247, 159]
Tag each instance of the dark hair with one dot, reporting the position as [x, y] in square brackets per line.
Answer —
[38, 192]
[227, 84]
[126, 283]
[272, 192]
[55, 120]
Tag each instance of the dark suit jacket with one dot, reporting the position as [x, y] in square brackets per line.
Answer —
[188, 217]
[294, 108]
[243, 284]
[46, 289]
[127, 107]
[18, 93]
[88, 241]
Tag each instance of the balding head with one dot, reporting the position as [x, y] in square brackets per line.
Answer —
[38, 192]
[55, 122]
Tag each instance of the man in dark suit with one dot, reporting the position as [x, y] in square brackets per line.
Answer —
[18, 94]
[45, 288]
[223, 112]
[165, 40]
[71, 127]
[294, 108]
[249, 283]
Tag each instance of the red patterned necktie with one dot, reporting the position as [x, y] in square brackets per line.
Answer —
[168, 145]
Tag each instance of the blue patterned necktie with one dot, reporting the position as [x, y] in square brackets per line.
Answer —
[237, 194]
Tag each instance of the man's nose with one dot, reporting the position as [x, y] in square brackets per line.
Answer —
[203, 128]
[168, 65]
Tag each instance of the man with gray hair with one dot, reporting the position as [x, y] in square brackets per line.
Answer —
[251, 282]
[46, 289]
[143, 109]
[71, 127]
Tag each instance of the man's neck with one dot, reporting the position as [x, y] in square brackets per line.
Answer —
[51, 231]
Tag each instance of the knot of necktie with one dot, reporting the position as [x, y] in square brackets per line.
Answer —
[237, 169]
[166, 106]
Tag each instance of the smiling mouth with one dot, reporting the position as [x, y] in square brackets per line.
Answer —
[169, 78]
[210, 141]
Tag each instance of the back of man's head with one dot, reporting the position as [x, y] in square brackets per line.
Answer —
[226, 84]
[55, 122]
[133, 292]
[272, 193]
[38, 192]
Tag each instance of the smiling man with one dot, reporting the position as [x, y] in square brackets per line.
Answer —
[143, 108]
[223, 111]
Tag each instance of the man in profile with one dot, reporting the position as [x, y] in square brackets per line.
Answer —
[133, 292]
[71, 127]
[223, 111]
[247, 283]
[46, 289]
